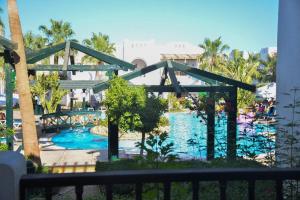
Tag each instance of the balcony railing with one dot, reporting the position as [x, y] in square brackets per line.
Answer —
[166, 177]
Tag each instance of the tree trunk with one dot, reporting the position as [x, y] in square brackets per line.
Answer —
[113, 140]
[56, 59]
[30, 139]
[142, 144]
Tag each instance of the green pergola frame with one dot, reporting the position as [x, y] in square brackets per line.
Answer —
[111, 64]
[214, 83]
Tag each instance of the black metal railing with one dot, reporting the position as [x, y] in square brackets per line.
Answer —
[166, 177]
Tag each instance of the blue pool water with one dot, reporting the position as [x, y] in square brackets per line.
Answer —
[79, 139]
[2, 140]
[183, 126]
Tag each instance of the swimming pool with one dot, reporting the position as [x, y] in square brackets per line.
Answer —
[2, 140]
[183, 127]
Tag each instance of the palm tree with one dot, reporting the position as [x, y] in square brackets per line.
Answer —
[268, 69]
[244, 70]
[30, 139]
[34, 42]
[99, 42]
[240, 68]
[58, 32]
[213, 54]
[2, 76]
[1, 24]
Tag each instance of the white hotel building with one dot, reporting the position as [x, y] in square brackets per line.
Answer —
[145, 53]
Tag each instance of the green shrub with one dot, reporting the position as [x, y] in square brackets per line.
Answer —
[103, 122]
[3, 147]
[183, 190]
[163, 121]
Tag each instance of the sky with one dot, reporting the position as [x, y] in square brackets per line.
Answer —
[243, 24]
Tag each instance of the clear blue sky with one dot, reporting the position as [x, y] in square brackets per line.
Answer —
[243, 24]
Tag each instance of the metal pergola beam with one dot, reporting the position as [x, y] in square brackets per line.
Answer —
[198, 72]
[185, 69]
[164, 77]
[173, 78]
[77, 84]
[102, 56]
[66, 56]
[7, 44]
[131, 75]
[44, 53]
[74, 84]
[187, 88]
[102, 67]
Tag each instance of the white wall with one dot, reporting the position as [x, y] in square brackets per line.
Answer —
[288, 68]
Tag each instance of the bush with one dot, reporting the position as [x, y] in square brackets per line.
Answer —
[139, 164]
[208, 190]
[163, 121]
[103, 122]
[3, 147]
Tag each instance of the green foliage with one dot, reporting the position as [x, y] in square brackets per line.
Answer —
[47, 89]
[138, 164]
[158, 148]
[237, 67]
[103, 122]
[3, 147]
[163, 121]
[34, 42]
[268, 69]
[288, 133]
[123, 103]
[174, 104]
[58, 32]
[208, 191]
[150, 114]
[244, 70]
[6, 132]
[99, 42]
[213, 55]
[186, 103]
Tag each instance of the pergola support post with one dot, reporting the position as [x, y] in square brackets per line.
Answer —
[83, 99]
[113, 140]
[210, 111]
[232, 124]
[9, 96]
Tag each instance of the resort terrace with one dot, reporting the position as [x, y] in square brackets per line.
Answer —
[125, 139]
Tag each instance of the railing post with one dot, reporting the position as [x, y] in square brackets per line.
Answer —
[138, 191]
[210, 111]
[12, 168]
[279, 194]
[109, 192]
[223, 187]
[48, 192]
[251, 189]
[167, 191]
[195, 190]
[79, 192]
[232, 124]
